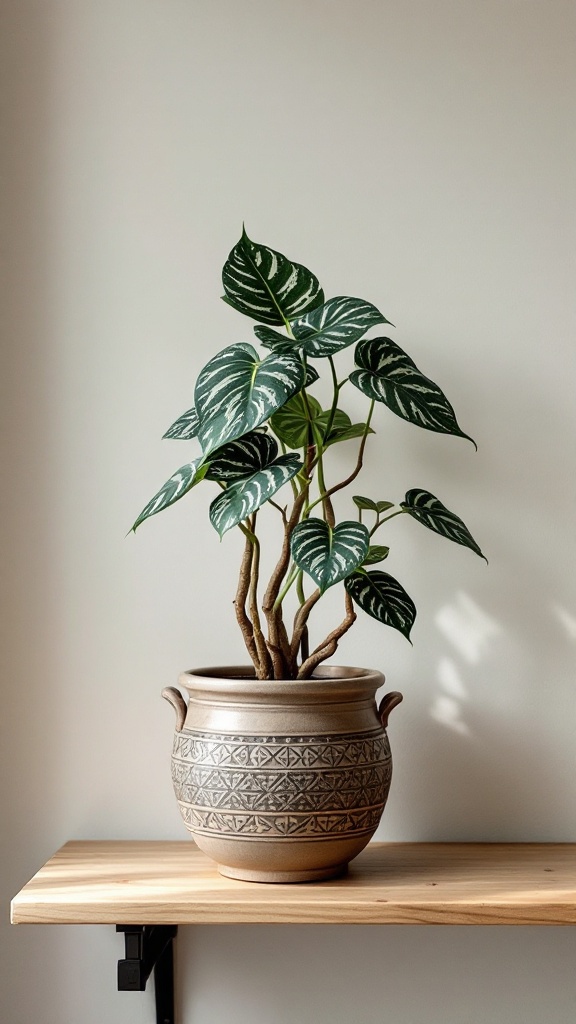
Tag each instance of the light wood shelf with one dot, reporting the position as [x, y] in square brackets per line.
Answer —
[155, 883]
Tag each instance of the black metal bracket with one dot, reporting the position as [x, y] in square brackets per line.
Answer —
[149, 948]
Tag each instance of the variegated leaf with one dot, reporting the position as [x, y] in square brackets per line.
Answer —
[382, 597]
[335, 325]
[388, 375]
[329, 555]
[430, 511]
[274, 340]
[265, 285]
[184, 428]
[243, 497]
[376, 553]
[292, 422]
[312, 375]
[243, 457]
[175, 488]
[236, 392]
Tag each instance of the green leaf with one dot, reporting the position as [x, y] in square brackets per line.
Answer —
[342, 428]
[276, 341]
[430, 511]
[383, 506]
[184, 428]
[326, 554]
[291, 423]
[265, 285]
[376, 553]
[335, 325]
[243, 457]
[382, 597]
[388, 375]
[365, 503]
[236, 392]
[175, 488]
[312, 375]
[243, 497]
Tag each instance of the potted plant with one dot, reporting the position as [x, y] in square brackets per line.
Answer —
[282, 769]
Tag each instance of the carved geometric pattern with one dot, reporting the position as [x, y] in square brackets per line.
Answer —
[274, 786]
[280, 751]
[272, 826]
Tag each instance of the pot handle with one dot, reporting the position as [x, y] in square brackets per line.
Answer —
[387, 704]
[175, 698]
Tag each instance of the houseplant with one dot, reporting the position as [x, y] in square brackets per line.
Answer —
[282, 770]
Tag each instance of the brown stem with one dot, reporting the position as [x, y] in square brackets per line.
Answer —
[300, 621]
[265, 662]
[356, 470]
[328, 646]
[278, 642]
[240, 605]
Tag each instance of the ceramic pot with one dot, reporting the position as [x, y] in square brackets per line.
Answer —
[281, 781]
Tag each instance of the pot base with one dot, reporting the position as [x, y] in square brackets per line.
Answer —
[283, 877]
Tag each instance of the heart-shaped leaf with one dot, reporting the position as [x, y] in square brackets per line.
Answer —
[329, 555]
[293, 421]
[243, 497]
[236, 392]
[182, 481]
[430, 511]
[382, 597]
[265, 285]
[335, 325]
[376, 553]
[184, 428]
[243, 457]
[388, 375]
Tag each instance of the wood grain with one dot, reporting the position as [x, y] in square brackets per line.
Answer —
[137, 882]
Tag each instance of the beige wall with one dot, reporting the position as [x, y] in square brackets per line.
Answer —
[421, 155]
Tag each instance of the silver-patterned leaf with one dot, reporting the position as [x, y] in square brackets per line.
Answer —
[335, 325]
[184, 428]
[243, 457]
[329, 555]
[430, 511]
[294, 420]
[175, 488]
[382, 597]
[236, 392]
[265, 285]
[388, 375]
[274, 340]
[243, 497]
[376, 553]
[312, 375]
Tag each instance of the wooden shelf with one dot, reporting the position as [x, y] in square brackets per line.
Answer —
[153, 883]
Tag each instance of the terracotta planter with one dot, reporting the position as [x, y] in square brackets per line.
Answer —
[281, 781]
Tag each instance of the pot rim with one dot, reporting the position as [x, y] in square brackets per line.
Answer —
[330, 681]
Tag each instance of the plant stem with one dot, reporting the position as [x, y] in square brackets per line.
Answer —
[292, 576]
[328, 646]
[300, 623]
[265, 667]
[379, 522]
[354, 474]
[244, 622]
[326, 503]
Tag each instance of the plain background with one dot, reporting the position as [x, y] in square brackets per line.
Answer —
[420, 155]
